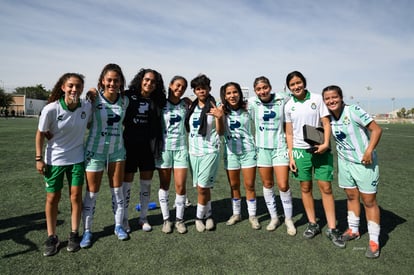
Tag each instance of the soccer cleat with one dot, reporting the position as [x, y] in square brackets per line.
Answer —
[120, 233]
[167, 227]
[349, 236]
[51, 246]
[180, 227]
[274, 223]
[73, 242]
[200, 225]
[335, 236]
[187, 203]
[311, 230]
[86, 239]
[254, 222]
[373, 250]
[209, 224]
[290, 227]
[233, 220]
[126, 225]
[145, 225]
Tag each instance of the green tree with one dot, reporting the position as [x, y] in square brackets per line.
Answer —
[35, 92]
[5, 100]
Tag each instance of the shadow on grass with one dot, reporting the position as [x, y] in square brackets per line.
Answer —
[18, 227]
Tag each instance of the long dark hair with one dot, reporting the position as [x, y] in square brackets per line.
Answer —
[226, 105]
[158, 95]
[57, 92]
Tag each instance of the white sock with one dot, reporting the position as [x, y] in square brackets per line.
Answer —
[209, 212]
[353, 222]
[118, 204]
[251, 207]
[126, 188]
[269, 196]
[180, 206]
[201, 211]
[286, 198]
[373, 231]
[88, 210]
[163, 198]
[236, 204]
[144, 196]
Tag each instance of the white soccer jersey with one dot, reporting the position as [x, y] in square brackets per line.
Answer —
[173, 126]
[199, 145]
[238, 135]
[268, 119]
[300, 112]
[68, 128]
[350, 133]
[105, 134]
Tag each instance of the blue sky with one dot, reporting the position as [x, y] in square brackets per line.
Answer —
[353, 44]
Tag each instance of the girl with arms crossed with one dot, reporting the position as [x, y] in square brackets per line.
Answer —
[356, 135]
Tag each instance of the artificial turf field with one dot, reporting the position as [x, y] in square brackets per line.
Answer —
[234, 249]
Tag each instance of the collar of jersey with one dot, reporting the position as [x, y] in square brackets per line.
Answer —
[65, 107]
[307, 96]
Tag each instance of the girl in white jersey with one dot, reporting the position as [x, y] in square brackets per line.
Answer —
[63, 123]
[204, 122]
[356, 135]
[266, 109]
[308, 108]
[240, 152]
[105, 149]
[174, 156]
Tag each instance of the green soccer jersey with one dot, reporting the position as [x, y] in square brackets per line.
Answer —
[199, 145]
[350, 133]
[105, 135]
[238, 135]
[173, 126]
[268, 118]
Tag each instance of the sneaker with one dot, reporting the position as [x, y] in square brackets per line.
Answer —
[209, 224]
[254, 222]
[167, 227]
[274, 223]
[233, 220]
[180, 227]
[349, 236]
[120, 233]
[373, 250]
[335, 236]
[51, 246]
[86, 239]
[73, 242]
[311, 230]
[290, 227]
[200, 225]
[145, 225]
[126, 225]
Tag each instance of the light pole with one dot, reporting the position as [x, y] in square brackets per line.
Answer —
[392, 111]
[369, 101]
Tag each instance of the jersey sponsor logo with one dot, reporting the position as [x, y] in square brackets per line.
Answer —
[112, 119]
[268, 115]
[174, 118]
[234, 124]
[196, 122]
[341, 142]
[143, 107]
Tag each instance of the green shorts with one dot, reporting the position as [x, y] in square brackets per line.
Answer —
[204, 169]
[98, 162]
[173, 159]
[54, 176]
[238, 161]
[272, 157]
[356, 175]
[306, 163]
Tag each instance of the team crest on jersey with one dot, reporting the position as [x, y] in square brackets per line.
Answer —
[346, 120]
[313, 106]
[83, 115]
[293, 108]
[278, 102]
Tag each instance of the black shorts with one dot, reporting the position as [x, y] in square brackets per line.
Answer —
[139, 156]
